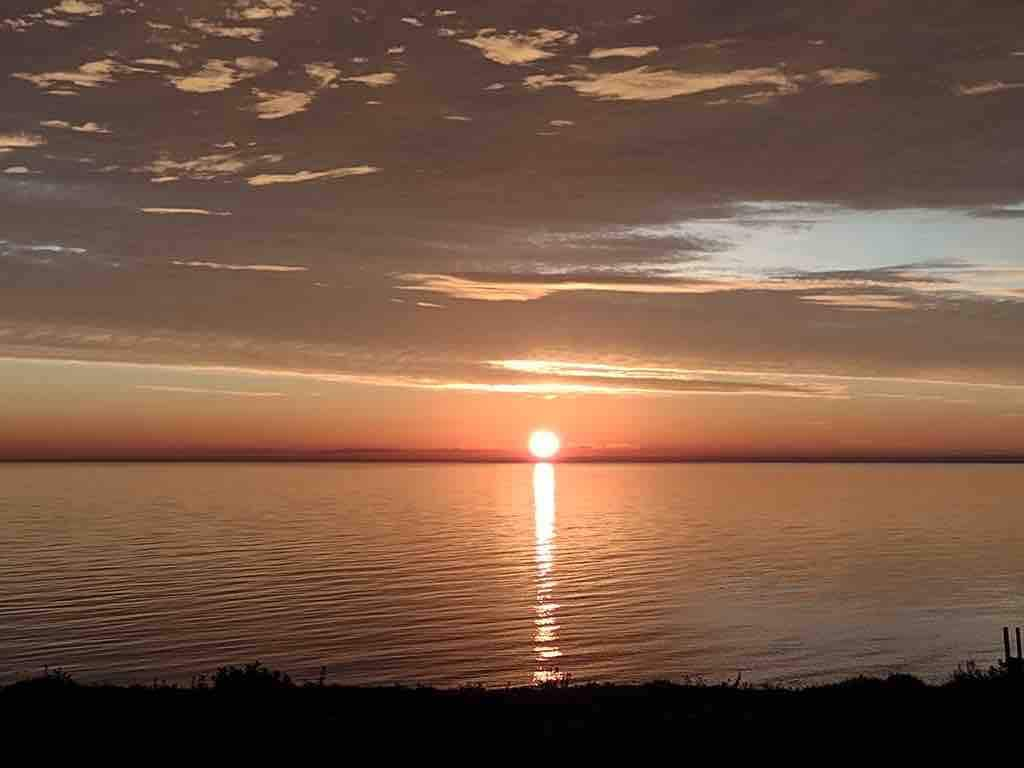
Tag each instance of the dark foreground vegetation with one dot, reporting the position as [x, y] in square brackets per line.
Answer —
[263, 703]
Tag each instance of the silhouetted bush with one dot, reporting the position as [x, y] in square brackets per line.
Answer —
[250, 678]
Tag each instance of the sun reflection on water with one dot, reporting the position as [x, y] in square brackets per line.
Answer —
[545, 637]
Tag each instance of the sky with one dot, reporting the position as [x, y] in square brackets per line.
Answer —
[693, 230]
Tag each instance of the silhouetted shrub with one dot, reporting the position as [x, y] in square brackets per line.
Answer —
[250, 678]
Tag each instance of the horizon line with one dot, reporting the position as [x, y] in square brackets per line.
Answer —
[371, 459]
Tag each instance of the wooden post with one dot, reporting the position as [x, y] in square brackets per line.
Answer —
[1020, 656]
[1006, 648]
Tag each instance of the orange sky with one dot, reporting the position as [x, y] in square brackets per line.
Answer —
[103, 410]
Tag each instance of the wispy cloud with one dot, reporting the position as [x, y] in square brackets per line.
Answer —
[263, 10]
[267, 179]
[205, 391]
[56, 16]
[647, 84]
[202, 168]
[185, 211]
[871, 302]
[533, 287]
[89, 127]
[631, 379]
[93, 74]
[150, 62]
[854, 288]
[79, 8]
[217, 265]
[412, 21]
[515, 48]
[216, 29]
[219, 75]
[375, 80]
[846, 76]
[273, 105]
[324, 72]
[632, 52]
[985, 88]
[21, 140]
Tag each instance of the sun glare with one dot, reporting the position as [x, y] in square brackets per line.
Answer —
[544, 444]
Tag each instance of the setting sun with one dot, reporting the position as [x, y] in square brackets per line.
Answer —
[544, 444]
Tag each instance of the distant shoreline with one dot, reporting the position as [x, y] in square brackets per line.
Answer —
[499, 460]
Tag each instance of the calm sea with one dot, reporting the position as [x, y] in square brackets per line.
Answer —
[452, 573]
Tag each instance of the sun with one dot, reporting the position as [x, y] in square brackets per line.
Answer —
[544, 444]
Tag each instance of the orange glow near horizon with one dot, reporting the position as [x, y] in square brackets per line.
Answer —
[544, 444]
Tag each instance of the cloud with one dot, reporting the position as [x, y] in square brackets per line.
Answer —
[202, 168]
[17, 170]
[264, 180]
[429, 305]
[513, 48]
[219, 75]
[396, 50]
[982, 89]
[263, 10]
[459, 118]
[90, 75]
[412, 21]
[725, 381]
[1000, 212]
[863, 301]
[377, 80]
[644, 379]
[89, 127]
[324, 72]
[79, 8]
[632, 52]
[16, 24]
[646, 84]
[274, 105]
[841, 76]
[440, 13]
[561, 123]
[216, 29]
[205, 391]
[216, 265]
[184, 211]
[640, 18]
[21, 140]
[159, 63]
[532, 286]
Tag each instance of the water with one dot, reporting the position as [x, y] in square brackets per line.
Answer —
[450, 574]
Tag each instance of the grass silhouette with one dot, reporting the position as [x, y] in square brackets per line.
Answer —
[255, 697]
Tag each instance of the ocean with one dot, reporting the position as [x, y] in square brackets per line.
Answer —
[497, 574]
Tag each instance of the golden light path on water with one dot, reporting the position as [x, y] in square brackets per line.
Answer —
[545, 637]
